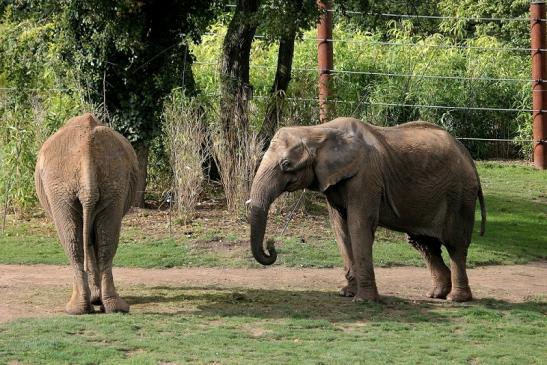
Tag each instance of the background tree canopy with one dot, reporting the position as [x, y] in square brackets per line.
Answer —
[127, 60]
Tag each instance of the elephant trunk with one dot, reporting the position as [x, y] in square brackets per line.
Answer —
[263, 192]
[258, 217]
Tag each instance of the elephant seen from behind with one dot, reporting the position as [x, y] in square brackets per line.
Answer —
[85, 180]
[413, 178]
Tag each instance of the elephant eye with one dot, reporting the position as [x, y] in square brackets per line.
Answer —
[285, 165]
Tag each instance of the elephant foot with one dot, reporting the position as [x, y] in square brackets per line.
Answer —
[366, 295]
[77, 308]
[439, 291]
[114, 305]
[460, 295]
[348, 291]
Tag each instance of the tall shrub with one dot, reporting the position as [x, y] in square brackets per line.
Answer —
[185, 140]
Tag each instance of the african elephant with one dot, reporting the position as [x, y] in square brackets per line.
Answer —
[85, 180]
[413, 178]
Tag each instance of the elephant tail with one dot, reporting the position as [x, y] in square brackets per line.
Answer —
[88, 196]
[483, 210]
[87, 226]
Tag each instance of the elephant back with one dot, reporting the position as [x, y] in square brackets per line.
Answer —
[85, 153]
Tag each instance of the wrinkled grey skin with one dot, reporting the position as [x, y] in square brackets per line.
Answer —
[413, 178]
[85, 178]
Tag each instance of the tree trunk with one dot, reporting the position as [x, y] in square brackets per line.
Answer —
[234, 73]
[209, 165]
[232, 148]
[274, 109]
[142, 156]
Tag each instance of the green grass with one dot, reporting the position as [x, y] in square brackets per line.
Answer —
[516, 232]
[212, 325]
[516, 199]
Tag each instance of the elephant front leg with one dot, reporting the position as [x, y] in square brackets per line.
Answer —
[362, 238]
[350, 288]
[340, 228]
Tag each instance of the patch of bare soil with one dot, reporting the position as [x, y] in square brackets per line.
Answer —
[42, 290]
[211, 217]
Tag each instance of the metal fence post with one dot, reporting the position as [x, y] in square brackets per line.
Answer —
[324, 57]
[539, 75]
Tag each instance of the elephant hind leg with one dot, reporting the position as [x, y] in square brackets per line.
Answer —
[94, 275]
[430, 249]
[457, 242]
[461, 292]
[107, 233]
[69, 225]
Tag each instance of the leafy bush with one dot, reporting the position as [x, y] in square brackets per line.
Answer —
[185, 131]
[37, 95]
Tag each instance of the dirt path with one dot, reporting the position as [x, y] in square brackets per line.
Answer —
[41, 290]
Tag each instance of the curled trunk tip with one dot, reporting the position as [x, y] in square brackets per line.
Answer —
[258, 219]
[267, 257]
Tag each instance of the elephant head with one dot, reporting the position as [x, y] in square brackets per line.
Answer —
[313, 157]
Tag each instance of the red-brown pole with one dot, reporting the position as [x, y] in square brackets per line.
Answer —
[324, 57]
[539, 75]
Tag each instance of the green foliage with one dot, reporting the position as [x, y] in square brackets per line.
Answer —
[76, 55]
[370, 96]
[171, 324]
[364, 15]
[513, 32]
[33, 103]
[279, 16]
[60, 58]
[132, 54]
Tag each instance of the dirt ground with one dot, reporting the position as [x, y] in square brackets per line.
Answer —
[42, 290]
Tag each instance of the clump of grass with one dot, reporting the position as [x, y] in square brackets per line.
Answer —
[186, 143]
[237, 153]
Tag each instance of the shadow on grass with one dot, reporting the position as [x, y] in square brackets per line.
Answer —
[538, 305]
[311, 304]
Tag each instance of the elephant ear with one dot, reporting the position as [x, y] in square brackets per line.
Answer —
[337, 157]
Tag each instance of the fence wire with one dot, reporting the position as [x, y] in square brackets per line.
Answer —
[434, 17]
[446, 107]
[390, 74]
[401, 44]
[416, 16]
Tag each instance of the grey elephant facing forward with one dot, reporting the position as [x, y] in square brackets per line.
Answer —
[413, 178]
[85, 179]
